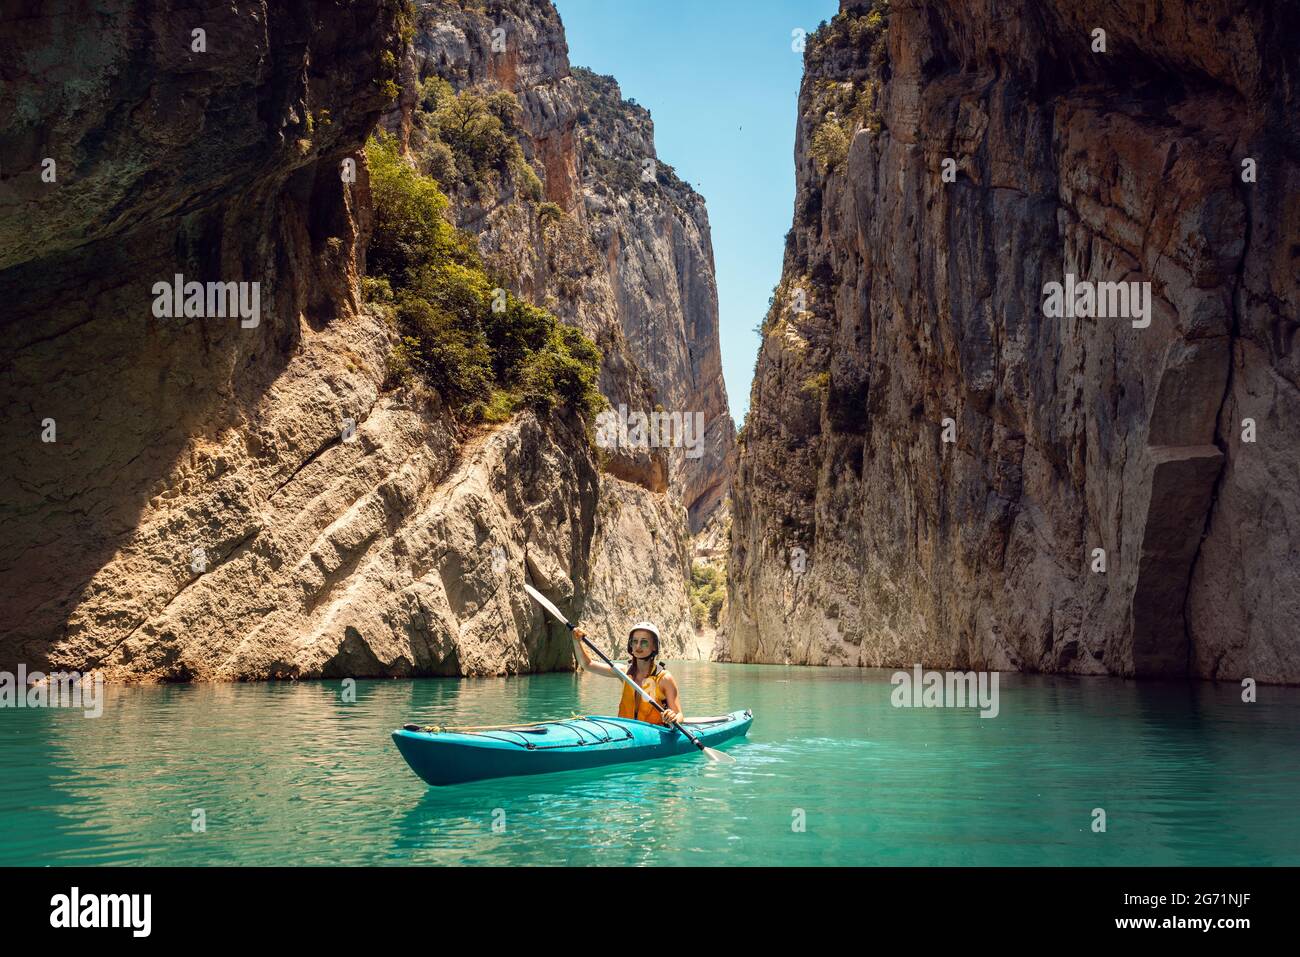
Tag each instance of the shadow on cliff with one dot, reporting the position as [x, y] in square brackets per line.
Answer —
[220, 164]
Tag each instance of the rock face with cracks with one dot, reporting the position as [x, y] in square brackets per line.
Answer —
[630, 260]
[207, 499]
[931, 463]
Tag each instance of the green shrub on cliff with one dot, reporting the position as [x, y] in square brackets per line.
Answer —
[433, 92]
[474, 132]
[471, 139]
[620, 175]
[440, 162]
[862, 25]
[410, 229]
[707, 591]
[515, 333]
[845, 106]
[565, 372]
[444, 351]
[430, 280]
[530, 184]
[864, 107]
[830, 144]
[816, 385]
[549, 213]
[406, 18]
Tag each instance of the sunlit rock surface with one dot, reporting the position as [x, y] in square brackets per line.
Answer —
[229, 502]
[860, 536]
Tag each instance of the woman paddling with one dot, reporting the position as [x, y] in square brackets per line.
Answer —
[643, 647]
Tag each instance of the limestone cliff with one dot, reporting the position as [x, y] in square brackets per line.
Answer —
[219, 499]
[930, 462]
[629, 262]
[652, 230]
[131, 441]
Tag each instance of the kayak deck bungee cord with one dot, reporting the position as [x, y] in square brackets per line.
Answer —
[442, 756]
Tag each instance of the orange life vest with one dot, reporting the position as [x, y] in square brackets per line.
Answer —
[632, 705]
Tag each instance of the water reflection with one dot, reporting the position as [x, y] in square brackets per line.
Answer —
[294, 774]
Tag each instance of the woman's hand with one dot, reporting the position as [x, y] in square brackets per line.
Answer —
[579, 649]
[671, 716]
[584, 657]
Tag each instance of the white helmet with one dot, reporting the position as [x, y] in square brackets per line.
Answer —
[644, 626]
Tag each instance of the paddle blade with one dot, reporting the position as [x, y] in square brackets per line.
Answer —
[717, 756]
[545, 603]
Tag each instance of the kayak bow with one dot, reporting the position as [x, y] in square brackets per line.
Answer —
[454, 757]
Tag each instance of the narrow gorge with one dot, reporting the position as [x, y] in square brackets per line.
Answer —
[933, 469]
[372, 494]
[271, 498]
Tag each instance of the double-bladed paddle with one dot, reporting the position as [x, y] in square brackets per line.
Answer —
[709, 753]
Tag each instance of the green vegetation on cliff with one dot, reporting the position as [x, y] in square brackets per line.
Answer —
[486, 351]
[470, 140]
[708, 591]
[847, 105]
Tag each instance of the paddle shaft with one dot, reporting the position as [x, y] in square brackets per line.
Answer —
[560, 616]
[635, 687]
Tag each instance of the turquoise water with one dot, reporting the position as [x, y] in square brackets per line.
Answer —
[289, 774]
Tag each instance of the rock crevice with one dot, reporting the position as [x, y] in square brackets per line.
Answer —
[223, 502]
[954, 455]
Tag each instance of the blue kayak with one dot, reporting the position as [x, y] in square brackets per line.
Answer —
[454, 757]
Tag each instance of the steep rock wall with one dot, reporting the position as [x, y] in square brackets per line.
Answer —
[227, 502]
[632, 262]
[209, 164]
[659, 339]
[860, 536]
[653, 232]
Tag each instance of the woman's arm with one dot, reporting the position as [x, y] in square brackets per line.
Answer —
[585, 659]
[674, 706]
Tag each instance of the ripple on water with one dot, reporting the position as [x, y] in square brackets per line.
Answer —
[831, 773]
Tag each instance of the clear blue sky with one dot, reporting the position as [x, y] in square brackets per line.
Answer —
[721, 81]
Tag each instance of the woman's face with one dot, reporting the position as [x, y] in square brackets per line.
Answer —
[643, 643]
